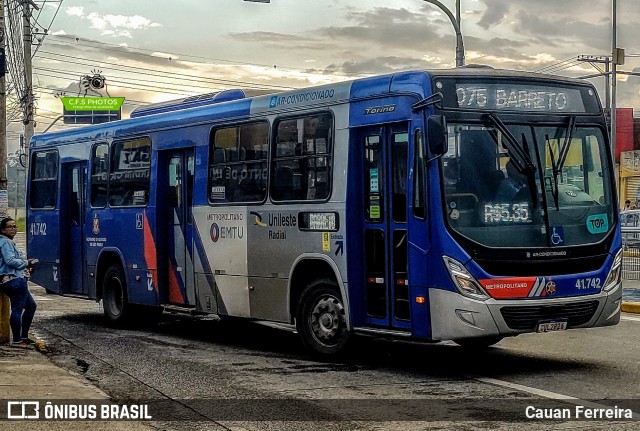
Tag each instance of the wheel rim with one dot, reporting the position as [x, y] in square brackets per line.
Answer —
[115, 300]
[327, 320]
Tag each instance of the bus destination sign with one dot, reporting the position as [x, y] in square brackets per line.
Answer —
[515, 97]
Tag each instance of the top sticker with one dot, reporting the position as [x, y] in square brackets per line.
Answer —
[597, 223]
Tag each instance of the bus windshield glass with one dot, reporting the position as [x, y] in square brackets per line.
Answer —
[525, 185]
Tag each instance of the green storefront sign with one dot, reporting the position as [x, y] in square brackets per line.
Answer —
[92, 103]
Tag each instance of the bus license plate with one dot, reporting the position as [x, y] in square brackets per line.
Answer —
[552, 326]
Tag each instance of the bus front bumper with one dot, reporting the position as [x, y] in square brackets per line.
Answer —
[454, 316]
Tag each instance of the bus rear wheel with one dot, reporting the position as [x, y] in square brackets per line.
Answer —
[114, 296]
[478, 342]
[321, 320]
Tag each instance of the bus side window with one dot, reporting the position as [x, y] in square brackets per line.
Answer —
[302, 158]
[130, 173]
[99, 175]
[282, 188]
[399, 156]
[419, 188]
[44, 179]
[237, 163]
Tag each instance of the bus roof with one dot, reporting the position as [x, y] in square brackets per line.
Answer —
[233, 105]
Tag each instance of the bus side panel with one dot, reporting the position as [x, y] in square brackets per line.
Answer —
[355, 232]
[123, 230]
[224, 253]
[278, 241]
[43, 243]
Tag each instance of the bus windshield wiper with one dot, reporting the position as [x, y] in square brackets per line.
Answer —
[435, 99]
[567, 141]
[558, 162]
[522, 161]
[555, 170]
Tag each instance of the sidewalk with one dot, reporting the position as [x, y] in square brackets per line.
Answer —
[631, 296]
[29, 375]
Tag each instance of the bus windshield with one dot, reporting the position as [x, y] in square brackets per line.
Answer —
[525, 185]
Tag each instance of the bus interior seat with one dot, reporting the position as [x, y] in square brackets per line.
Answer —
[232, 154]
[249, 188]
[219, 155]
[322, 190]
[283, 183]
[99, 197]
[451, 174]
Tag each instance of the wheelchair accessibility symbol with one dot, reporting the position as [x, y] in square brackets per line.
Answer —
[557, 235]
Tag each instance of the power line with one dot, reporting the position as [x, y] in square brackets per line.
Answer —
[139, 81]
[71, 40]
[159, 73]
[66, 76]
[559, 66]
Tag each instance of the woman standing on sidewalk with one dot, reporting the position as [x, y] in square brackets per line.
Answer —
[14, 268]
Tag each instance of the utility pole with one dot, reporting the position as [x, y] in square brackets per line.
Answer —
[455, 21]
[606, 60]
[3, 103]
[459, 40]
[28, 96]
[614, 63]
[607, 84]
[4, 300]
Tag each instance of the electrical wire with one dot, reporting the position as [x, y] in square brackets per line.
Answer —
[154, 72]
[71, 40]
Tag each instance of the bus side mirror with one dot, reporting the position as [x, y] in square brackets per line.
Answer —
[437, 135]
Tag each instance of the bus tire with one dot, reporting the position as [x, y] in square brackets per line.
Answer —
[114, 296]
[321, 319]
[478, 342]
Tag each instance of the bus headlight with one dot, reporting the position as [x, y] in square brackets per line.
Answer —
[465, 283]
[614, 274]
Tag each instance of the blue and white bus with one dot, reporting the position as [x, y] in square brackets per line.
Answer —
[375, 206]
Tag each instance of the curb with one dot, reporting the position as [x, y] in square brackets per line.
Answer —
[630, 307]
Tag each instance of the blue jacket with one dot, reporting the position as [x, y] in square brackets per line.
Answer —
[11, 260]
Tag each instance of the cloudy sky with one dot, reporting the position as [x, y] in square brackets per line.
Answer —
[157, 50]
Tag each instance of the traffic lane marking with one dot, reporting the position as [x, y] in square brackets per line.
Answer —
[543, 393]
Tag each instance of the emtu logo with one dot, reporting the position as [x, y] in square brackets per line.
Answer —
[258, 221]
[214, 232]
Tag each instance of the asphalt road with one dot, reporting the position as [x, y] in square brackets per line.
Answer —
[274, 384]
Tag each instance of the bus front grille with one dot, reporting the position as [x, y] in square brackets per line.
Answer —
[499, 265]
[525, 318]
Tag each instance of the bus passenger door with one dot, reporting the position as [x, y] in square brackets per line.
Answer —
[72, 207]
[385, 169]
[180, 173]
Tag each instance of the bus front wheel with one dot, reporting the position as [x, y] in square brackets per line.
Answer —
[114, 298]
[478, 342]
[321, 319]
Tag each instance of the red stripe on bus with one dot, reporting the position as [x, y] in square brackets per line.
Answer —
[150, 252]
